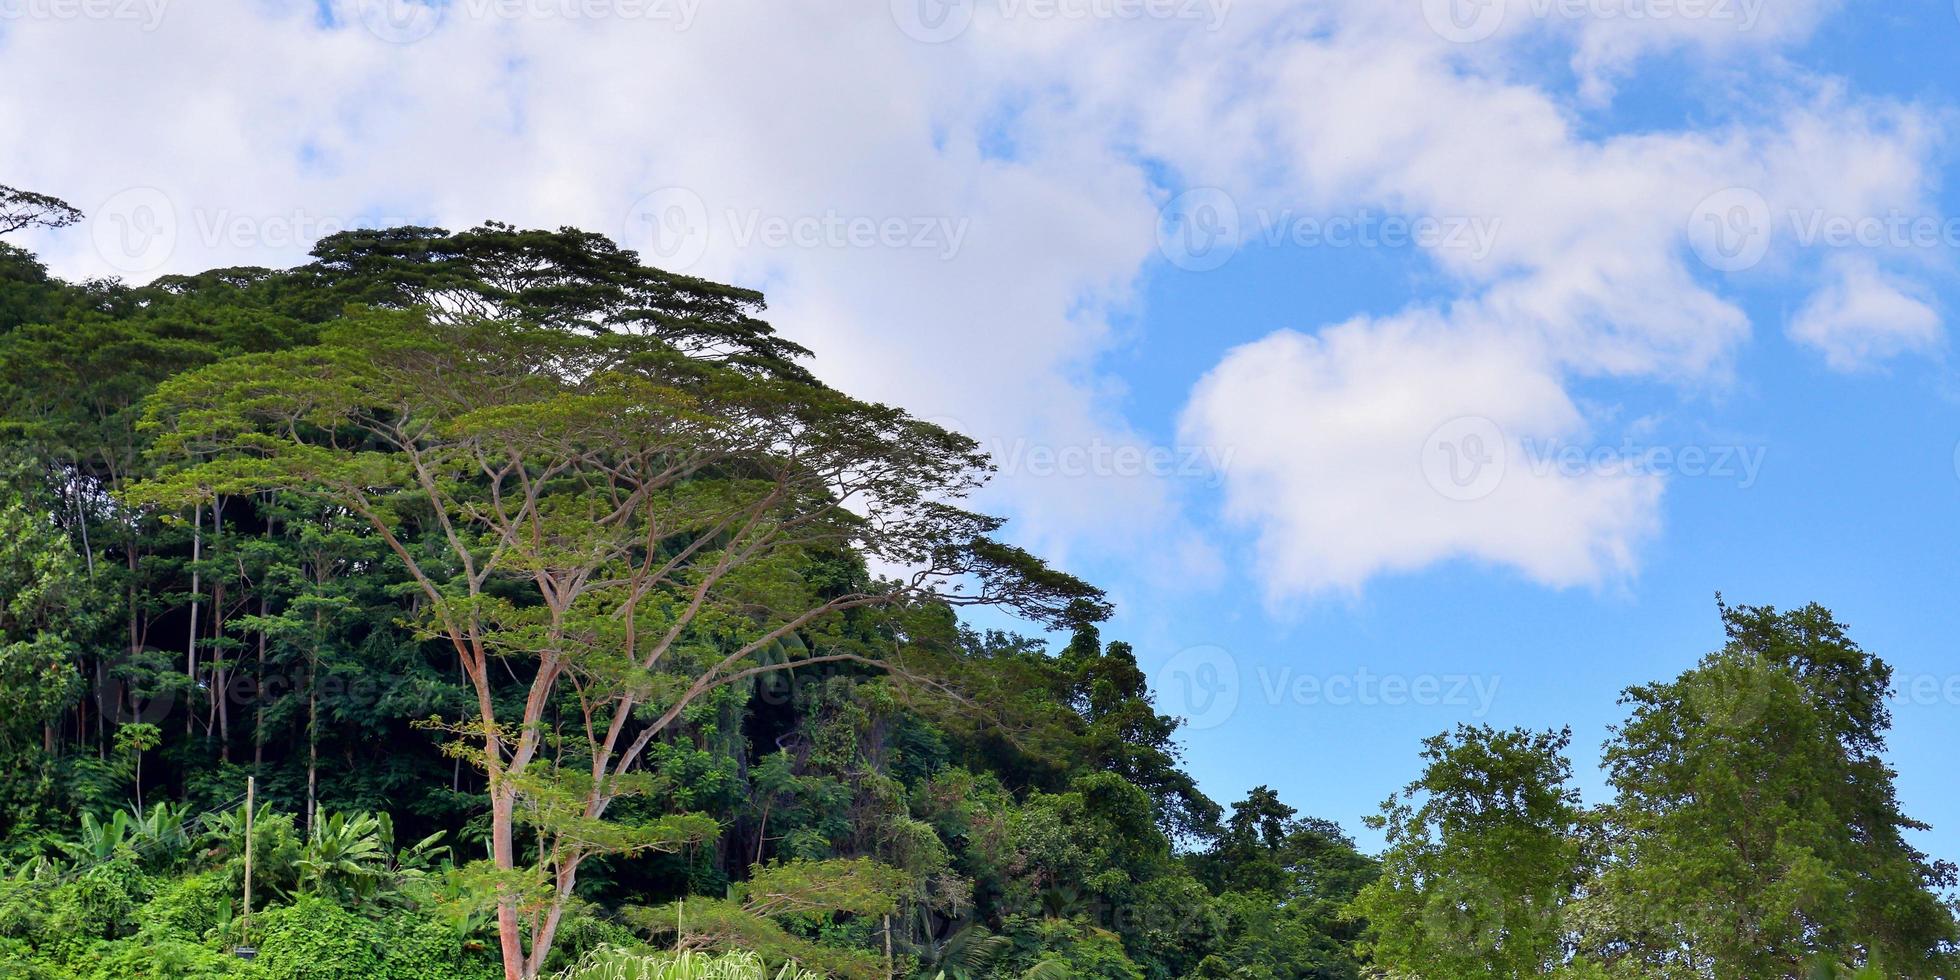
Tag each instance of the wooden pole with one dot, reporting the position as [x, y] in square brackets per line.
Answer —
[251, 797]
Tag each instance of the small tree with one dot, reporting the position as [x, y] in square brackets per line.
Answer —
[622, 522]
[137, 739]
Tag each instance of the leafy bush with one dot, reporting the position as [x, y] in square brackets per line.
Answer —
[313, 939]
[419, 948]
[151, 958]
[100, 903]
[189, 908]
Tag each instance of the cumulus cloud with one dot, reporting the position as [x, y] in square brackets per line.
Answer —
[1382, 446]
[1864, 316]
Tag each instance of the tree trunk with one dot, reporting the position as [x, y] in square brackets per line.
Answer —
[258, 703]
[220, 664]
[312, 746]
[190, 646]
[503, 854]
[218, 721]
[567, 875]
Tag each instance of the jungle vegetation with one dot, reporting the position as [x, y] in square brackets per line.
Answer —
[567, 624]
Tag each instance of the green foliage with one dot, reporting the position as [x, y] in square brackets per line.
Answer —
[1756, 825]
[1481, 856]
[565, 567]
[316, 939]
[858, 886]
[45, 607]
[619, 964]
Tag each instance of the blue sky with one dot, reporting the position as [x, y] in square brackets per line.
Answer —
[1671, 318]
[1856, 506]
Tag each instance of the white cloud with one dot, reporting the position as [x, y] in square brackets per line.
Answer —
[1385, 446]
[1864, 316]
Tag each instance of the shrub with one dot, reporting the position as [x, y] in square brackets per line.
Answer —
[418, 948]
[188, 908]
[159, 958]
[313, 939]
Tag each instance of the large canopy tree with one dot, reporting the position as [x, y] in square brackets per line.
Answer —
[629, 519]
[1756, 830]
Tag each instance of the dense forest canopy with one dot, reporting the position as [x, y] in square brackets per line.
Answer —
[562, 618]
